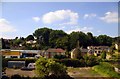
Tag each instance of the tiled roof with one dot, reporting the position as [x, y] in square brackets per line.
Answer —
[58, 50]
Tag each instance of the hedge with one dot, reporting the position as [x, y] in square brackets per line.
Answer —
[77, 63]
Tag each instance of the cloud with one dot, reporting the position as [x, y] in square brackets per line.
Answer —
[62, 16]
[5, 26]
[36, 19]
[110, 17]
[89, 15]
[84, 29]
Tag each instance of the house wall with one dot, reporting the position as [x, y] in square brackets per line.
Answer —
[10, 54]
[97, 50]
[52, 54]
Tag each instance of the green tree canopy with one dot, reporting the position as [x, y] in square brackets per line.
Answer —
[30, 37]
[46, 67]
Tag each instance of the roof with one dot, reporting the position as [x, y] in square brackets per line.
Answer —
[5, 53]
[103, 47]
[58, 50]
[98, 46]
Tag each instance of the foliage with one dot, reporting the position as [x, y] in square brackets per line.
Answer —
[60, 56]
[46, 67]
[103, 55]
[85, 61]
[106, 69]
[29, 37]
[104, 40]
[90, 60]
[17, 76]
[59, 39]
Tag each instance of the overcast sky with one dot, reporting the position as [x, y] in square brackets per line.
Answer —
[23, 18]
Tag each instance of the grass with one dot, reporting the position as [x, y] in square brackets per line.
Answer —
[106, 69]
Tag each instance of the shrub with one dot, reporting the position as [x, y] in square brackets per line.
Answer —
[16, 76]
[86, 61]
[60, 56]
[46, 67]
[106, 69]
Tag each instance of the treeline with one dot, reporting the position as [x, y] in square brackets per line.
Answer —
[48, 38]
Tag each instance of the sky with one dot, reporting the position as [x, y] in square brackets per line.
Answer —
[20, 19]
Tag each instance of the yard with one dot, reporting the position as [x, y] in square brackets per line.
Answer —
[82, 72]
[73, 72]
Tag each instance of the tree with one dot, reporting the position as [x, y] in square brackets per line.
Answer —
[75, 36]
[58, 38]
[47, 67]
[29, 37]
[104, 40]
[90, 38]
[44, 33]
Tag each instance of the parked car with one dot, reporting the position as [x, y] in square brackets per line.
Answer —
[31, 66]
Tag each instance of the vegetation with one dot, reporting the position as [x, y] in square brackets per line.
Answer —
[106, 69]
[17, 76]
[86, 61]
[49, 38]
[46, 67]
[103, 55]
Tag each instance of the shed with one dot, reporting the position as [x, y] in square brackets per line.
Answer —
[16, 64]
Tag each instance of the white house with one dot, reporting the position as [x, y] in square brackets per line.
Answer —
[97, 50]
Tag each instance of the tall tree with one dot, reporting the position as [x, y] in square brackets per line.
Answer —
[105, 40]
[45, 33]
[29, 37]
[56, 36]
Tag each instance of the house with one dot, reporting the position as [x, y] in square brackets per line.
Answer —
[51, 52]
[10, 54]
[77, 52]
[97, 50]
[31, 42]
[29, 53]
[20, 53]
[116, 46]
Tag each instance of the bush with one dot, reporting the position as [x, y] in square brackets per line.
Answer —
[85, 61]
[70, 62]
[46, 67]
[106, 69]
[60, 56]
[16, 76]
